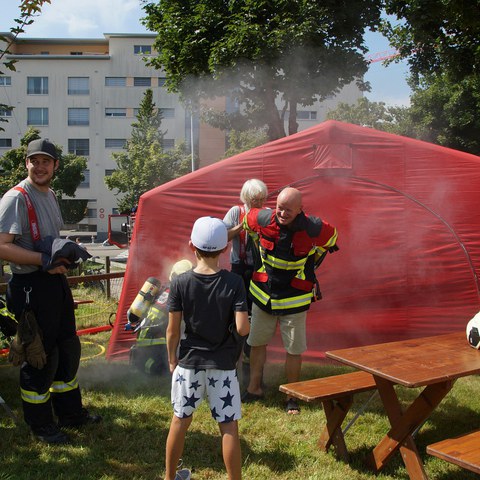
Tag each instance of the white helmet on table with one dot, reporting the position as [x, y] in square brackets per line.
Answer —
[473, 331]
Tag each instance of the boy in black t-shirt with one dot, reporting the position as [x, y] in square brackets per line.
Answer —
[213, 305]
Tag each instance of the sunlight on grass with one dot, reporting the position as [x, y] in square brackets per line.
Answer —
[130, 442]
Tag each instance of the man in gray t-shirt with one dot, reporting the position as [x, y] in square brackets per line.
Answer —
[43, 287]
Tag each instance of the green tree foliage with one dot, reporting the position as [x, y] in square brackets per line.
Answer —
[67, 178]
[239, 142]
[371, 114]
[441, 41]
[436, 36]
[144, 165]
[448, 113]
[257, 51]
[28, 9]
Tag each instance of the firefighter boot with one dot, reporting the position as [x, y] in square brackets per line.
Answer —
[79, 420]
[50, 434]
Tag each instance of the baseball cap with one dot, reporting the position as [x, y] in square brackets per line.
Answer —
[209, 234]
[42, 146]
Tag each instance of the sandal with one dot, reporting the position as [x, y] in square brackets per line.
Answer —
[291, 407]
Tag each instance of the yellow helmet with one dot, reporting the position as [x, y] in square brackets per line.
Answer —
[180, 267]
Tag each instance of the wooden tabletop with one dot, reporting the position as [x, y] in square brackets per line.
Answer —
[416, 362]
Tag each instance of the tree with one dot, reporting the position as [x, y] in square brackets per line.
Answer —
[239, 142]
[28, 9]
[258, 51]
[376, 115]
[67, 178]
[144, 165]
[436, 36]
[441, 41]
[448, 113]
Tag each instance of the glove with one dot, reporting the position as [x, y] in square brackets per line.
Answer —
[30, 337]
[35, 353]
[16, 356]
[27, 326]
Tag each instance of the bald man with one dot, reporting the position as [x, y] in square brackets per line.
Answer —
[283, 284]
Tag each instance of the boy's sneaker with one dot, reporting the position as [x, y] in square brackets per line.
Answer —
[50, 434]
[183, 474]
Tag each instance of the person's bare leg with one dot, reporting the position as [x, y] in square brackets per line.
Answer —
[175, 444]
[293, 367]
[231, 450]
[258, 356]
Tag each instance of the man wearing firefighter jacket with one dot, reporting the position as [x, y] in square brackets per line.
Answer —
[283, 283]
[48, 376]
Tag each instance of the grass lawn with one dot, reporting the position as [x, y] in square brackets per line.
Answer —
[130, 442]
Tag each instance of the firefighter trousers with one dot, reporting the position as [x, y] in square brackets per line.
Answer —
[54, 388]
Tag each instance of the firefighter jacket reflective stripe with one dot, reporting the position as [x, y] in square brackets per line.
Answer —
[284, 277]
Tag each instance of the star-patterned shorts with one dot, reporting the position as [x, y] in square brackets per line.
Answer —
[219, 387]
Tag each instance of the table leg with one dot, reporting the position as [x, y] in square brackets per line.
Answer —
[335, 412]
[404, 424]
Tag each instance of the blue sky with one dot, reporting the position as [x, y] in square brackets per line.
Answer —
[93, 18]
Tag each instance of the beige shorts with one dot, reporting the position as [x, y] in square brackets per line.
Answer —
[292, 329]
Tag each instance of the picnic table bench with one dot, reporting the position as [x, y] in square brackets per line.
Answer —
[336, 395]
[463, 451]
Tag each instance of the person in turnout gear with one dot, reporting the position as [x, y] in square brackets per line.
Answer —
[283, 284]
[38, 294]
[149, 353]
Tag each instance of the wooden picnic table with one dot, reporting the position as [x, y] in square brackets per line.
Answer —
[431, 362]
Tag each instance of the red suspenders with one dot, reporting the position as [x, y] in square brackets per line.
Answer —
[32, 216]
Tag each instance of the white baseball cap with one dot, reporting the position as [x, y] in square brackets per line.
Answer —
[209, 234]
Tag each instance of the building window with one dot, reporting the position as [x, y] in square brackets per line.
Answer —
[79, 146]
[76, 53]
[5, 81]
[306, 115]
[37, 116]
[161, 81]
[168, 143]
[115, 112]
[78, 86]
[5, 142]
[142, 49]
[78, 116]
[91, 213]
[115, 211]
[37, 85]
[5, 112]
[109, 171]
[167, 112]
[86, 180]
[142, 82]
[115, 81]
[115, 142]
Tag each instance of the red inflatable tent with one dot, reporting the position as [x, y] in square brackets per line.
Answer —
[408, 218]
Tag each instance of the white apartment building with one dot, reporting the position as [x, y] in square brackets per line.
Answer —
[82, 94]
